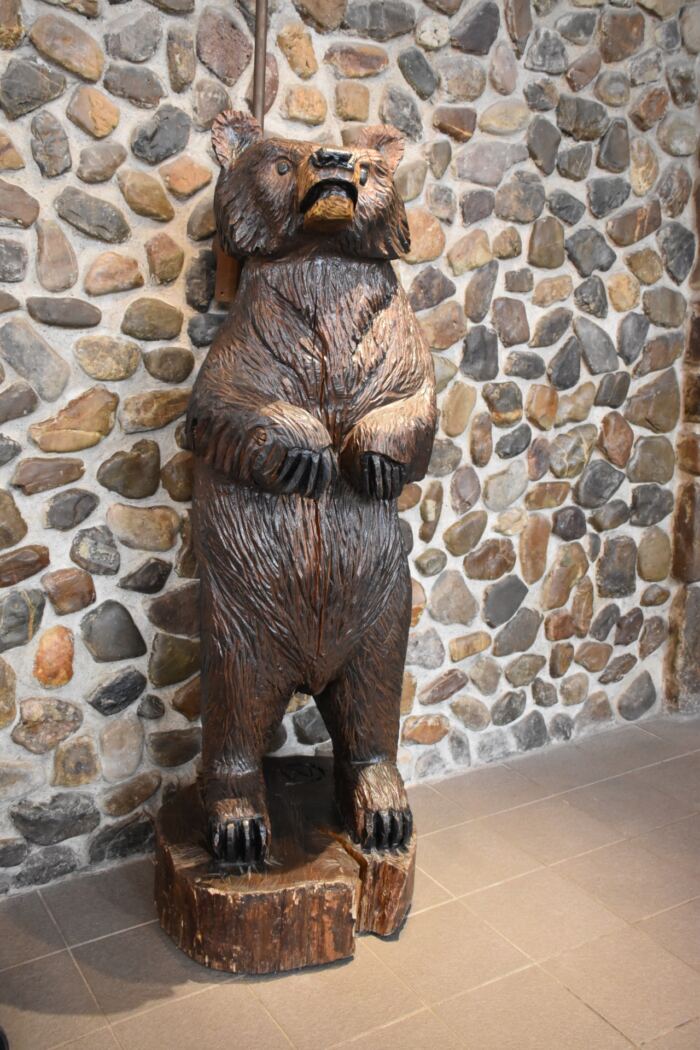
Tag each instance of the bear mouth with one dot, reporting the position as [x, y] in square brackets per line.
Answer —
[325, 188]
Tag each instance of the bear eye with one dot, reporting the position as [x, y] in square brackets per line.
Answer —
[283, 167]
[364, 174]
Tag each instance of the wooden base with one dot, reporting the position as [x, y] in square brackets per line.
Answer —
[305, 909]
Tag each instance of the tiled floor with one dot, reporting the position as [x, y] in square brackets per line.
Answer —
[557, 907]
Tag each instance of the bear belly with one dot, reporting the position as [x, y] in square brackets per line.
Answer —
[307, 577]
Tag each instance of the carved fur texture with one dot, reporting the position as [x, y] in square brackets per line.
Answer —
[315, 405]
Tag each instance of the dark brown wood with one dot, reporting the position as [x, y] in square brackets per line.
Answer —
[314, 407]
[317, 892]
[227, 274]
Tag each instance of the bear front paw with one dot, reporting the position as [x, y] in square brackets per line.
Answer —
[241, 841]
[381, 477]
[306, 472]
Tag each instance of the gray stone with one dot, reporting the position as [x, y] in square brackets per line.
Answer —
[418, 72]
[577, 26]
[17, 400]
[604, 622]
[118, 692]
[445, 458]
[429, 288]
[110, 633]
[209, 98]
[524, 365]
[63, 313]
[140, 86]
[13, 851]
[166, 133]
[477, 30]
[547, 52]
[478, 293]
[502, 599]
[531, 732]
[134, 39]
[45, 865]
[650, 504]
[551, 327]
[147, 578]
[487, 164]
[598, 483]
[425, 649]
[638, 698]
[613, 389]
[508, 707]
[99, 162]
[673, 188]
[543, 140]
[514, 442]
[616, 567]
[202, 328]
[591, 297]
[399, 108]
[564, 369]
[569, 523]
[574, 163]
[606, 194]
[680, 75]
[69, 508]
[588, 251]
[583, 119]
[32, 357]
[65, 815]
[631, 335]
[450, 599]
[541, 95]
[611, 516]
[27, 84]
[476, 205]
[95, 550]
[485, 674]
[92, 216]
[596, 346]
[20, 617]
[521, 199]
[565, 206]
[309, 725]
[677, 248]
[13, 260]
[480, 354]
[380, 20]
[124, 838]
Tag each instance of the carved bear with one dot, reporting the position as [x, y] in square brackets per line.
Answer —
[314, 407]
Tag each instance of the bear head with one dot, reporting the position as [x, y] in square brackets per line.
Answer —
[276, 197]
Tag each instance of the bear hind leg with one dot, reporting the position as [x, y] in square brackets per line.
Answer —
[361, 709]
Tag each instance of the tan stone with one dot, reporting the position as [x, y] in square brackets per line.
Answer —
[69, 590]
[44, 723]
[569, 565]
[593, 655]
[615, 438]
[466, 645]
[10, 159]
[471, 712]
[305, 104]
[56, 262]
[295, 44]
[541, 406]
[106, 358]
[444, 326]
[534, 540]
[13, 527]
[81, 424]
[408, 693]
[21, 563]
[144, 528]
[558, 626]
[356, 60]
[69, 46]
[112, 272]
[654, 555]
[547, 494]
[493, 559]
[575, 407]
[165, 258]
[646, 265]
[511, 522]
[623, 291]
[184, 176]
[145, 195]
[352, 100]
[507, 244]
[152, 409]
[8, 689]
[187, 700]
[126, 797]
[410, 496]
[424, 729]
[53, 661]
[644, 166]
[582, 607]
[505, 118]
[39, 474]
[92, 111]
[427, 236]
[457, 407]
[11, 25]
[470, 252]
[552, 290]
[75, 762]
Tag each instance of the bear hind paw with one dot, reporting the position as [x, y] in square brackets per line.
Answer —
[240, 841]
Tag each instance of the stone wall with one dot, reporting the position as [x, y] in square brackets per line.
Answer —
[548, 175]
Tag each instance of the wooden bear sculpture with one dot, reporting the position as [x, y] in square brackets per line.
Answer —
[314, 407]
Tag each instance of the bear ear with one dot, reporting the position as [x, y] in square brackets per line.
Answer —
[385, 139]
[231, 133]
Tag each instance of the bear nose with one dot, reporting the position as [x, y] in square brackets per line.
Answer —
[332, 158]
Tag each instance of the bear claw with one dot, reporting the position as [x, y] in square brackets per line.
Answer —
[241, 842]
[387, 829]
[306, 472]
[382, 478]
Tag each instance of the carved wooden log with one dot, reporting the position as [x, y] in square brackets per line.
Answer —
[318, 891]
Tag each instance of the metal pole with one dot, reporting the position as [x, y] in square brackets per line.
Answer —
[260, 57]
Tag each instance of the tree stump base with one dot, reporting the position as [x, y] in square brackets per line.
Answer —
[318, 891]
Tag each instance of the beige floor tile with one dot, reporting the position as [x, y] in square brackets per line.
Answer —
[630, 880]
[551, 830]
[679, 842]
[216, 1019]
[687, 1037]
[527, 1011]
[628, 803]
[471, 857]
[432, 811]
[102, 1040]
[416, 1032]
[108, 901]
[487, 790]
[542, 914]
[45, 1003]
[679, 730]
[446, 951]
[558, 769]
[630, 981]
[26, 930]
[679, 778]
[319, 1007]
[138, 969]
[624, 749]
[427, 892]
[678, 931]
